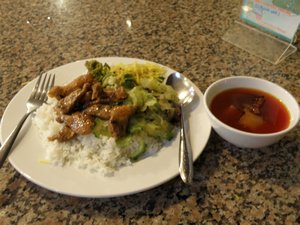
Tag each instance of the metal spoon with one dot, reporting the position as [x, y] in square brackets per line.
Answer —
[186, 93]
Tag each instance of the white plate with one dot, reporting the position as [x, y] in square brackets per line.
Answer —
[143, 175]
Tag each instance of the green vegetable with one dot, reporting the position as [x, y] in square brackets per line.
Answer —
[160, 79]
[160, 90]
[134, 144]
[97, 69]
[153, 124]
[138, 152]
[101, 128]
[141, 98]
[156, 103]
[128, 81]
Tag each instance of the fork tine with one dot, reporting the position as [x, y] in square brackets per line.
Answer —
[52, 82]
[41, 88]
[37, 83]
[35, 89]
[46, 88]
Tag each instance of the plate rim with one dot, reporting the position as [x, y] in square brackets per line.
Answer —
[102, 59]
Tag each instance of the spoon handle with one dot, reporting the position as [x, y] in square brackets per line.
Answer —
[185, 153]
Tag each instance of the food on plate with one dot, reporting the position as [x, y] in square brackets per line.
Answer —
[109, 117]
[250, 110]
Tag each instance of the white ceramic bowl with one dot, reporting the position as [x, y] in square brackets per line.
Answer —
[246, 139]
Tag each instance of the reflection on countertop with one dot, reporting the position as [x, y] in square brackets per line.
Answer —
[231, 185]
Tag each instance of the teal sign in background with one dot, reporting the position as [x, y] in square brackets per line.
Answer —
[291, 5]
[273, 16]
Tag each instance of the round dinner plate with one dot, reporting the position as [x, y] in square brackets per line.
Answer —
[150, 172]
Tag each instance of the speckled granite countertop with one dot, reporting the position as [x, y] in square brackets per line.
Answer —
[231, 185]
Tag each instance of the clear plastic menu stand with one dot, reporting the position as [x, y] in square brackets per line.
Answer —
[265, 30]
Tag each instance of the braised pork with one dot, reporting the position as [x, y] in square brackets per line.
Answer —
[98, 110]
[115, 94]
[59, 92]
[119, 116]
[79, 122]
[69, 102]
[83, 100]
[249, 102]
[96, 91]
[65, 134]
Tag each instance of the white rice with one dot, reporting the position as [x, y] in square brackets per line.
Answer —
[96, 155]
[84, 152]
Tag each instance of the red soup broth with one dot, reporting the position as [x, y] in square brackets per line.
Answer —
[274, 114]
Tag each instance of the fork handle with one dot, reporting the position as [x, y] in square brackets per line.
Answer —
[8, 143]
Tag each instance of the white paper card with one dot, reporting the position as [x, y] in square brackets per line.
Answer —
[269, 17]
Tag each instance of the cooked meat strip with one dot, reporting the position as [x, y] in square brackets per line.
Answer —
[98, 110]
[82, 100]
[59, 114]
[65, 134]
[79, 122]
[85, 100]
[87, 97]
[96, 91]
[56, 92]
[249, 102]
[115, 94]
[119, 119]
[68, 103]
[59, 92]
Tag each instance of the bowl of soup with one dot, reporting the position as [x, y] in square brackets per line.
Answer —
[250, 112]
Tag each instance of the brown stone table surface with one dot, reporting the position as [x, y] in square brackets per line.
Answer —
[231, 185]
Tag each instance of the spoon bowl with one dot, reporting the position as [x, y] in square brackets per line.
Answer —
[182, 86]
[186, 94]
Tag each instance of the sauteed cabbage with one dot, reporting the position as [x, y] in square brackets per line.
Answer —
[156, 104]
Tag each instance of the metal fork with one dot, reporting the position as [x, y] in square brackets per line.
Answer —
[39, 95]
